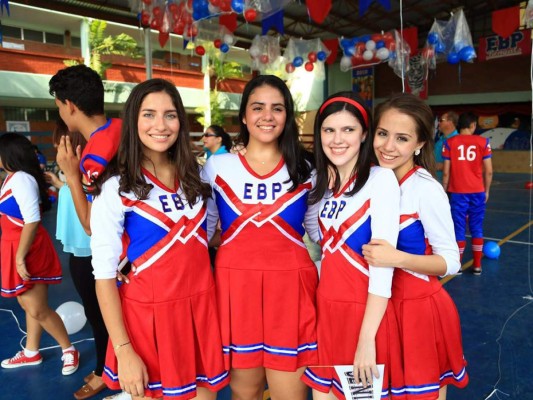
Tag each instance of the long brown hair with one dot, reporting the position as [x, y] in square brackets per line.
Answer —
[420, 112]
[128, 162]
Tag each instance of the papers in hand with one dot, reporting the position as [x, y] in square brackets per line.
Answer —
[353, 391]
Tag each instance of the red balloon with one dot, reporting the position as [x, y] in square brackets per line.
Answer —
[289, 68]
[173, 8]
[216, 3]
[357, 59]
[376, 37]
[312, 56]
[178, 28]
[263, 58]
[145, 18]
[155, 24]
[360, 48]
[390, 44]
[217, 43]
[250, 15]
[225, 5]
[192, 31]
[309, 66]
[147, 2]
[528, 185]
[156, 11]
[388, 36]
[200, 50]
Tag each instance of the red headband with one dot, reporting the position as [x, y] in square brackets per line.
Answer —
[346, 100]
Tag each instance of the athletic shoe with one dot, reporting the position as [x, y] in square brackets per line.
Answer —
[71, 362]
[460, 272]
[476, 270]
[20, 360]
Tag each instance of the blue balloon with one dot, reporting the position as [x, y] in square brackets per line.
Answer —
[224, 48]
[349, 51]
[365, 38]
[237, 6]
[380, 44]
[298, 62]
[453, 57]
[467, 53]
[491, 250]
[433, 38]
[345, 42]
[439, 47]
[321, 55]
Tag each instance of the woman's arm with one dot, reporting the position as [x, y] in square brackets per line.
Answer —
[26, 239]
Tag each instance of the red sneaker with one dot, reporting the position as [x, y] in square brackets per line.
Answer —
[20, 360]
[71, 362]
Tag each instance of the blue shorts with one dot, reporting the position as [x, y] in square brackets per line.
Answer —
[471, 206]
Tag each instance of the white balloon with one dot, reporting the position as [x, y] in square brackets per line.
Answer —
[213, 9]
[382, 53]
[228, 39]
[254, 51]
[346, 63]
[370, 45]
[367, 55]
[73, 316]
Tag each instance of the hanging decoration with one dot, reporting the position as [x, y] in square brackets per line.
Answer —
[4, 4]
[318, 9]
[213, 37]
[368, 50]
[265, 52]
[311, 54]
[365, 4]
[449, 40]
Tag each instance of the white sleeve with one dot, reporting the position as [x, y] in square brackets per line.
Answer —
[385, 224]
[208, 175]
[107, 227]
[436, 219]
[311, 217]
[26, 192]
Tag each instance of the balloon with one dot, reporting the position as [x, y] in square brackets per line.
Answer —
[433, 38]
[349, 51]
[370, 45]
[346, 63]
[453, 57]
[224, 48]
[368, 55]
[250, 15]
[200, 50]
[156, 11]
[237, 6]
[309, 66]
[73, 316]
[145, 18]
[255, 51]
[467, 53]
[491, 250]
[213, 9]
[439, 47]
[289, 68]
[528, 185]
[382, 53]
[217, 43]
[321, 55]
[263, 58]
[147, 2]
[228, 39]
[380, 44]
[312, 56]
[298, 61]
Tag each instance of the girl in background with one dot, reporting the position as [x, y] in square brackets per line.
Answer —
[29, 261]
[356, 320]
[429, 322]
[163, 327]
[265, 278]
[216, 141]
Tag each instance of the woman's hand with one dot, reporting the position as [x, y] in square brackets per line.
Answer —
[53, 179]
[132, 373]
[380, 253]
[364, 364]
[22, 270]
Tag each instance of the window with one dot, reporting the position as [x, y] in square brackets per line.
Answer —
[75, 41]
[36, 36]
[12, 32]
[54, 38]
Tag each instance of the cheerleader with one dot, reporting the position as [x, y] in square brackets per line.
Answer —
[429, 323]
[356, 320]
[162, 324]
[29, 261]
[265, 279]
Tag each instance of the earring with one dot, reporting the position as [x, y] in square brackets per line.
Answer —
[417, 152]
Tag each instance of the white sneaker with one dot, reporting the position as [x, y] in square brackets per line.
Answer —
[118, 396]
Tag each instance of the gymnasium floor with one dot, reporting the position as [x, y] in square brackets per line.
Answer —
[496, 311]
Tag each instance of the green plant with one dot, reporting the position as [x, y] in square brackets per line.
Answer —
[100, 45]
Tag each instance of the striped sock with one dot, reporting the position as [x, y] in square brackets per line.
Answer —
[461, 244]
[477, 249]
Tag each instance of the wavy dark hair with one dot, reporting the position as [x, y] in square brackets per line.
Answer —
[421, 114]
[221, 133]
[128, 161]
[294, 155]
[366, 154]
[61, 129]
[17, 154]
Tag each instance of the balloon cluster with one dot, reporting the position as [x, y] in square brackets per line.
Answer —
[449, 40]
[374, 49]
[306, 53]
[265, 52]
[222, 40]
[172, 16]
